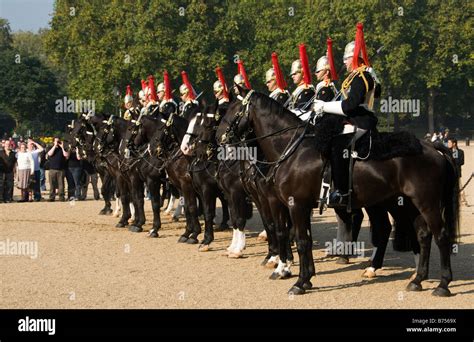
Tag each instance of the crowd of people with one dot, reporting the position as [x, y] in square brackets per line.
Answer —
[27, 164]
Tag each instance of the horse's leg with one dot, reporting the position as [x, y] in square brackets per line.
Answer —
[224, 225]
[105, 190]
[300, 216]
[344, 232]
[280, 217]
[381, 228]
[209, 204]
[125, 202]
[239, 202]
[190, 200]
[137, 186]
[424, 238]
[154, 188]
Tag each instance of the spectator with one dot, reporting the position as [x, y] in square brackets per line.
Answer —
[8, 161]
[42, 168]
[25, 170]
[36, 149]
[458, 156]
[75, 168]
[91, 176]
[57, 162]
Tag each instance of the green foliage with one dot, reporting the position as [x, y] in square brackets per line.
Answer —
[99, 46]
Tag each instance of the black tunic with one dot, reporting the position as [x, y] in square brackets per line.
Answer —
[353, 107]
[302, 99]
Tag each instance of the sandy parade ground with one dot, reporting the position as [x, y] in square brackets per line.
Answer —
[78, 259]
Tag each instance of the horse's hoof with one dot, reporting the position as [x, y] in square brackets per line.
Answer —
[368, 274]
[120, 225]
[182, 239]
[271, 264]
[414, 286]
[153, 234]
[275, 276]
[441, 292]
[135, 229]
[235, 255]
[203, 248]
[192, 241]
[308, 285]
[296, 290]
[285, 275]
[342, 260]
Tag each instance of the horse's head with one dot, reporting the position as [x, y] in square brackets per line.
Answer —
[235, 124]
[168, 107]
[133, 136]
[105, 133]
[205, 143]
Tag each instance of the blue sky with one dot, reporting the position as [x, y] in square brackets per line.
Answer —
[27, 15]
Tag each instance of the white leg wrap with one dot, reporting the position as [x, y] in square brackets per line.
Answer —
[233, 244]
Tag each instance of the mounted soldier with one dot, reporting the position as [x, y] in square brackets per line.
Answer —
[220, 92]
[276, 82]
[151, 98]
[240, 79]
[167, 103]
[132, 112]
[325, 72]
[358, 91]
[188, 97]
[301, 75]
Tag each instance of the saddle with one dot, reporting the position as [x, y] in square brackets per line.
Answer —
[374, 145]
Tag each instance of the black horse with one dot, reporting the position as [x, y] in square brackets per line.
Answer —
[82, 136]
[300, 158]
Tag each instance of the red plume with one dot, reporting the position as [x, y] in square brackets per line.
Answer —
[143, 85]
[129, 91]
[332, 68]
[185, 78]
[305, 65]
[241, 67]
[359, 46]
[151, 85]
[220, 76]
[166, 80]
[278, 74]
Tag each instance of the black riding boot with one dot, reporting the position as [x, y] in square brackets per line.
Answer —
[340, 160]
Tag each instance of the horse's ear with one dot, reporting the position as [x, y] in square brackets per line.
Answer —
[202, 103]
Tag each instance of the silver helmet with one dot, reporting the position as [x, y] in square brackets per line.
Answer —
[183, 89]
[141, 95]
[322, 64]
[270, 75]
[239, 79]
[218, 87]
[161, 87]
[349, 51]
[296, 67]
[128, 98]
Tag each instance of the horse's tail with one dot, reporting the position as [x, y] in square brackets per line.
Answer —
[450, 200]
[405, 236]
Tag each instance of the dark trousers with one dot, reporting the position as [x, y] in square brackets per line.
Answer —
[76, 177]
[56, 181]
[70, 183]
[37, 186]
[91, 178]
[6, 186]
[43, 179]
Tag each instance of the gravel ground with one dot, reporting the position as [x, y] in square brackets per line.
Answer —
[83, 261]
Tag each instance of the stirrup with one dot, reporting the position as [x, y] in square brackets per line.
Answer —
[338, 200]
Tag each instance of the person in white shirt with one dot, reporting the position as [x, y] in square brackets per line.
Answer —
[25, 169]
[35, 150]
